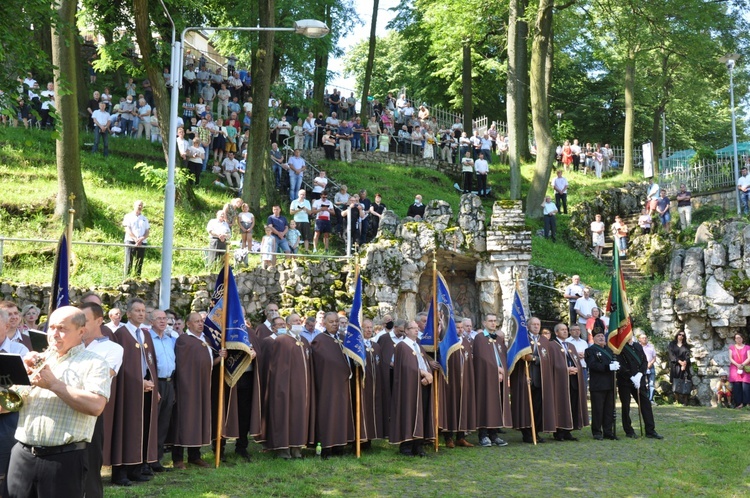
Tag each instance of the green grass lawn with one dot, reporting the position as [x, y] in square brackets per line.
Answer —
[703, 454]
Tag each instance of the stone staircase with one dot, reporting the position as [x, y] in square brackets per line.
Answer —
[629, 270]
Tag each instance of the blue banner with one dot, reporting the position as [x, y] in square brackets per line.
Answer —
[447, 335]
[354, 342]
[237, 341]
[521, 345]
[60, 289]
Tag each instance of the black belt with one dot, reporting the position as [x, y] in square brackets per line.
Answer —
[166, 379]
[43, 451]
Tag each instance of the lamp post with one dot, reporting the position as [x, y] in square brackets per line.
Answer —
[307, 27]
[730, 61]
[559, 113]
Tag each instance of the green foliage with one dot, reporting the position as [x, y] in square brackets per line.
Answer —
[738, 285]
[156, 178]
[703, 153]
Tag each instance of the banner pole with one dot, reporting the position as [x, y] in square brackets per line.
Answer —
[436, 375]
[531, 403]
[220, 408]
[358, 417]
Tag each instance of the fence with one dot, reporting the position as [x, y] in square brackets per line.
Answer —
[199, 261]
[701, 176]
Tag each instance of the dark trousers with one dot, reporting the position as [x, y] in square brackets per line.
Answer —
[94, 486]
[482, 185]
[62, 474]
[740, 393]
[602, 413]
[550, 226]
[467, 181]
[8, 425]
[490, 433]
[104, 135]
[572, 313]
[576, 162]
[626, 391]
[561, 199]
[215, 244]
[363, 226]
[245, 389]
[134, 255]
[166, 405]
[178, 454]
[195, 169]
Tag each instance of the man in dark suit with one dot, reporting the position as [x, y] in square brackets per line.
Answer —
[602, 366]
[631, 381]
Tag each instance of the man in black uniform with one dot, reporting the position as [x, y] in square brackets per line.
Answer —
[602, 366]
[631, 381]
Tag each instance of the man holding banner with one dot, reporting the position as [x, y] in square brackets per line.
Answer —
[492, 400]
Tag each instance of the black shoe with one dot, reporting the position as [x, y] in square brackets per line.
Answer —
[559, 437]
[243, 453]
[159, 468]
[612, 437]
[141, 478]
[146, 470]
[123, 482]
[501, 431]
[632, 435]
[569, 437]
[654, 435]
[598, 437]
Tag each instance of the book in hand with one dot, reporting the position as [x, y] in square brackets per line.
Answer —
[13, 370]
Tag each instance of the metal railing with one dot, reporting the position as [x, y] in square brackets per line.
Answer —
[699, 177]
[203, 250]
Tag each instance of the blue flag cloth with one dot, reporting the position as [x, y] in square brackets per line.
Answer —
[521, 345]
[237, 341]
[60, 290]
[448, 340]
[354, 342]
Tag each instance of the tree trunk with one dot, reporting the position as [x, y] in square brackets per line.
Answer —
[370, 58]
[627, 166]
[545, 147]
[70, 192]
[517, 91]
[466, 85]
[320, 72]
[258, 168]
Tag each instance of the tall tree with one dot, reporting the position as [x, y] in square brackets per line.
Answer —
[517, 93]
[70, 191]
[370, 56]
[545, 148]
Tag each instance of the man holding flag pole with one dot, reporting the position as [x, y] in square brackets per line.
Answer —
[631, 377]
[354, 349]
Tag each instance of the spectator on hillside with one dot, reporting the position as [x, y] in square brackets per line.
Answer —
[279, 227]
[340, 201]
[219, 233]
[344, 134]
[137, 229]
[319, 185]
[680, 368]
[301, 210]
[217, 79]
[308, 131]
[195, 155]
[231, 167]
[93, 106]
[189, 81]
[329, 145]
[246, 221]
[467, 171]
[416, 141]
[278, 164]
[743, 185]
[188, 110]
[209, 95]
[127, 116]
[144, 119]
[155, 129]
[549, 210]
[417, 209]
[297, 167]
[620, 233]
[652, 195]
[597, 235]
[404, 139]
[203, 78]
[323, 210]
[584, 305]
[377, 209]
[684, 207]
[572, 293]
[486, 147]
[320, 128]
[650, 352]
[662, 207]
[644, 221]
[284, 129]
[101, 122]
[560, 185]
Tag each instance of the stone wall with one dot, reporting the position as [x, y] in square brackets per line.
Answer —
[707, 295]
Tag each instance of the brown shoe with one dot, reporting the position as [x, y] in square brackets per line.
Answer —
[179, 465]
[200, 463]
[464, 443]
[449, 443]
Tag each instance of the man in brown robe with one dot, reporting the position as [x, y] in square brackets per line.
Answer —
[388, 342]
[571, 411]
[411, 401]
[263, 330]
[193, 421]
[542, 393]
[334, 419]
[459, 401]
[288, 403]
[134, 432]
[491, 390]
[372, 392]
[249, 402]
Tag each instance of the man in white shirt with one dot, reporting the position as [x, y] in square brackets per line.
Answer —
[575, 149]
[231, 171]
[309, 128]
[323, 210]
[319, 185]
[188, 81]
[550, 218]
[219, 233]
[743, 185]
[572, 293]
[137, 229]
[652, 195]
[300, 209]
[560, 184]
[100, 118]
[583, 308]
[115, 315]
[144, 119]
[580, 345]
[481, 168]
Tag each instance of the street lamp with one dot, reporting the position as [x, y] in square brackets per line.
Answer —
[559, 113]
[729, 61]
[310, 28]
